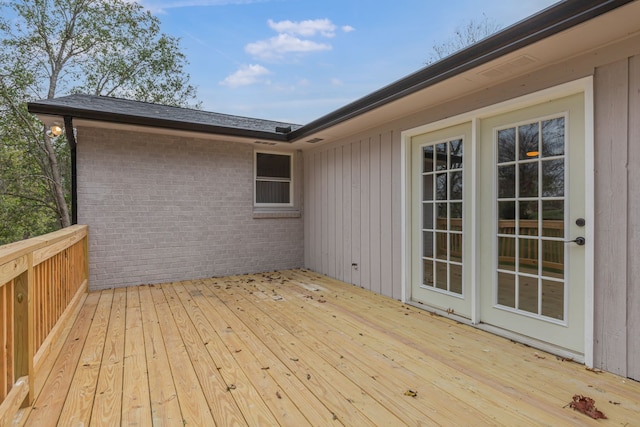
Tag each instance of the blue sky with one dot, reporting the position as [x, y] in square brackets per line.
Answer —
[296, 60]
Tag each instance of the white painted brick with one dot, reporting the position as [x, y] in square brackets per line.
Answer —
[164, 208]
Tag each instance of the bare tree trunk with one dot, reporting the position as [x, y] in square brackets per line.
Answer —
[58, 188]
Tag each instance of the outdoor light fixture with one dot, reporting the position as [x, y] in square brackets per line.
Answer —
[533, 153]
[56, 130]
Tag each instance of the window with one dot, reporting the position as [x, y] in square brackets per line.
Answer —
[274, 179]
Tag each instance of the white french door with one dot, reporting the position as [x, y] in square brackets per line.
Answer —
[528, 211]
[532, 205]
[440, 217]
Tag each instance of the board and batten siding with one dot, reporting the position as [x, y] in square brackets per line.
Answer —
[617, 210]
[352, 211]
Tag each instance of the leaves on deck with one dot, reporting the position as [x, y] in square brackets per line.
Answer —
[586, 405]
[411, 393]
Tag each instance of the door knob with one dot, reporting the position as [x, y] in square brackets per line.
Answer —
[580, 241]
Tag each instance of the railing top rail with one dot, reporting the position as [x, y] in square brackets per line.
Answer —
[16, 250]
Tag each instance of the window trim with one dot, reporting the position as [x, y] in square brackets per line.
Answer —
[276, 206]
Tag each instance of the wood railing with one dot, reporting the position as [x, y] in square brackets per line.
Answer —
[42, 281]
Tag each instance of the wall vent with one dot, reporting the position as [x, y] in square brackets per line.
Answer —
[508, 67]
[314, 140]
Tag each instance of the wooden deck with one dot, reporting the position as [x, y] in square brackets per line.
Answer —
[293, 348]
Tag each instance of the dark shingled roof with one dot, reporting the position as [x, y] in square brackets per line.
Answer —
[553, 20]
[142, 113]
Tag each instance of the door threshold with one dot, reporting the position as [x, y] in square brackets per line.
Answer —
[563, 353]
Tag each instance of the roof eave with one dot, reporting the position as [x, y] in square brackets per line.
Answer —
[546, 23]
[79, 113]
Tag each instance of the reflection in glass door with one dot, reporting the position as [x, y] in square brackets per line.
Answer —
[442, 216]
[530, 223]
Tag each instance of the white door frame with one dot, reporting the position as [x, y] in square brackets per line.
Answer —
[585, 86]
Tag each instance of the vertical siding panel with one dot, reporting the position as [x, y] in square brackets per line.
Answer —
[308, 196]
[611, 110]
[339, 214]
[374, 215]
[365, 246]
[356, 213]
[325, 213]
[386, 226]
[396, 213]
[317, 213]
[331, 230]
[346, 208]
[633, 307]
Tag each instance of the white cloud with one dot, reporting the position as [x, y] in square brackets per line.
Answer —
[336, 82]
[348, 28]
[307, 28]
[277, 47]
[245, 76]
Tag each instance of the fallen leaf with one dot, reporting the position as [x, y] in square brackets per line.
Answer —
[594, 370]
[586, 405]
[411, 393]
[308, 376]
[538, 356]
[231, 387]
[614, 403]
[278, 395]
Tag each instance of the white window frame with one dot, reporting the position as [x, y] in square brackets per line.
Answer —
[256, 179]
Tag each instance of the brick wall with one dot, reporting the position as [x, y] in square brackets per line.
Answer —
[166, 208]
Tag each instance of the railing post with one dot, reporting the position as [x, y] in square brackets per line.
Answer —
[23, 321]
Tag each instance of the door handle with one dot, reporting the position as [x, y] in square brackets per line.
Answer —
[580, 241]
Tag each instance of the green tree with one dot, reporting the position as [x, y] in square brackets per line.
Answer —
[51, 48]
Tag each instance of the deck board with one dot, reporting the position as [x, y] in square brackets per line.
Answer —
[294, 348]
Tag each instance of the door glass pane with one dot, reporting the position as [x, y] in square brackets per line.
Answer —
[507, 289]
[528, 180]
[441, 221]
[427, 273]
[455, 148]
[553, 178]
[441, 245]
[553, 299]
[507, 218]
[506, 145]
[528, 141]
[455, 182]
[455, 272]
[427, 216]
[528, 218]
[427, 244]
[427, 163]
[441, 275]
[455, 247]
[506, 253]
[553, 137]
[506, 182]
[455, 213]
[441, 156]
[528, 256]
[427, 187]
[441, 186]
[528, 294]
[553, 218]
[553, 258]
